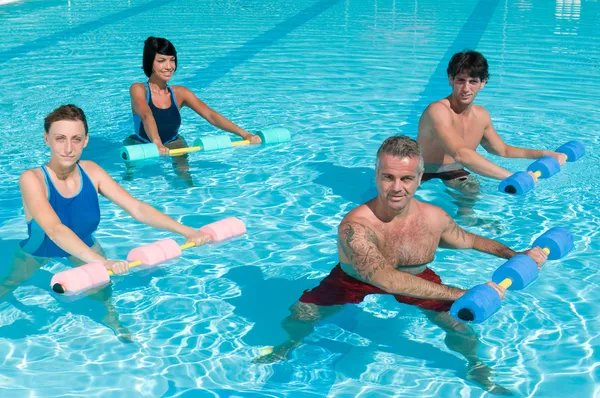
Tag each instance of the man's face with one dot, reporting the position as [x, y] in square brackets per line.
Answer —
[465, 88]
[397, 180]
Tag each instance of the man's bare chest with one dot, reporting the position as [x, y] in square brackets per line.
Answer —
[471, 130]
[412, 244]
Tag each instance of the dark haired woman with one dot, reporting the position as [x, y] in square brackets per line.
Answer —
[156, 105]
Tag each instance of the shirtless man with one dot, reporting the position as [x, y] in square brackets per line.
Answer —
[451, 129]
[384, 247]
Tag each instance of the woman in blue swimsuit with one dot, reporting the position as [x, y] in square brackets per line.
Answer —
[156, 105]
[60, 200]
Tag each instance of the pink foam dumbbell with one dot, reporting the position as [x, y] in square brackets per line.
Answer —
[224, 229]
[155, 253]
[80, 279]
[92, 275]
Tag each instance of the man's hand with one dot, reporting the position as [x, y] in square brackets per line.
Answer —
[535, 179]
[499, 289]
[561, 157]
[537, 254]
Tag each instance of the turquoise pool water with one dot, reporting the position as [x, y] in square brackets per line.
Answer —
[342, 75]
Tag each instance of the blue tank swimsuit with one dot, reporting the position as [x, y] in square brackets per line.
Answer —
[167, 120]
[81, 213]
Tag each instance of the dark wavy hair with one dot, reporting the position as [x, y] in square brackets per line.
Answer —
[153, 46]
[65, 112]
[470, 62]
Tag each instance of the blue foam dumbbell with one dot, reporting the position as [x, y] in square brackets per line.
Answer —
[521, 181]
[482, 301]
[544, 167]
[209, 143]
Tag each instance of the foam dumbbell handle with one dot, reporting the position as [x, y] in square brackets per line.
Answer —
[182, 151]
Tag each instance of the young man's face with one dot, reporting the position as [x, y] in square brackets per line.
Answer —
[465, 88]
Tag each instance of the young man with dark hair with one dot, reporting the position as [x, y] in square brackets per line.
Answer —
[452, 128]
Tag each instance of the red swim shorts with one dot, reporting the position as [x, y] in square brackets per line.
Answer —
[340, 288]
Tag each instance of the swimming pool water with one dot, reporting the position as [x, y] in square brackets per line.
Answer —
[342, 75]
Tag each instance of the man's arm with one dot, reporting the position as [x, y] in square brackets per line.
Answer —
[359, 244]
[492, 143]
[455, 237]
[455, 146]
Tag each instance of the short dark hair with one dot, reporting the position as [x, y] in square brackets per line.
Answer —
[156, 45]
[401, 146]
[470, 62]
[65, 112]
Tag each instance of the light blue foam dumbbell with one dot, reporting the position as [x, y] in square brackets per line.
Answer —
[206, 144]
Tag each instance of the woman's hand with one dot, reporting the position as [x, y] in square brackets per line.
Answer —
[118, 267]
[253, 138]
[162, 150]
[198, 237]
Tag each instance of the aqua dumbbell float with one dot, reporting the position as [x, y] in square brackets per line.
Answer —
[545, 167]
[209, 143]
[88, 276]
[482, 301]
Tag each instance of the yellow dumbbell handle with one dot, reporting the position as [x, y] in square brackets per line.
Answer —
[182, 247]
[507, 282]
[537, 174]
[242, 142]
[181, 151]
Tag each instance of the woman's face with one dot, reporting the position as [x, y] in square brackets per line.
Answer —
[66, 139]
[164, 66]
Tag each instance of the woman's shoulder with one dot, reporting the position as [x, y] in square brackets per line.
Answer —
[31, 173]
[138, 87]
[90, 167]
[31, 177]
[180, 89]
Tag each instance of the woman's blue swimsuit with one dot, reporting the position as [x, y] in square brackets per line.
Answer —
[167, 120]
[80, 213]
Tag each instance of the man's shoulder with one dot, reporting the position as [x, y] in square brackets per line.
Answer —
[430, 211]
[438, 110]
[359, 215]
[480, 111]
[442, 105]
